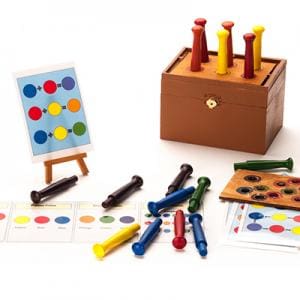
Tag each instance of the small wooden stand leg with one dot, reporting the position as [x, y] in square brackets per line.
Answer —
[82, 166]
[78, 157]
[48, 172]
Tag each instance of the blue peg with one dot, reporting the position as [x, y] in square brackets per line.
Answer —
[200, 240]
[170, 200]
[148, 236]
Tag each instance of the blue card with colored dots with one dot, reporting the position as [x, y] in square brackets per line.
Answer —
[268, 224]
[54, 113]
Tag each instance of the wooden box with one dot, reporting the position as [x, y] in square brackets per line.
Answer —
[225, 111]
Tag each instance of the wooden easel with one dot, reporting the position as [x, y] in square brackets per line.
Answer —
[78, 157]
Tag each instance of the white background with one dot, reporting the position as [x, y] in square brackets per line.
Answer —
[120, 49]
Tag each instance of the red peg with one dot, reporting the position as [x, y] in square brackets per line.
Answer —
[249, 58]
[228, 26]
[204, 52]
[196, 51]
[179, 240]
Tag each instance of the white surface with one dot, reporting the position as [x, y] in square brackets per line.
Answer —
[120, 49]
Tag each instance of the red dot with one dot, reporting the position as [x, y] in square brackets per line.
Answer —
[34, 113]
[297, 218]
[236, 229]
[276, 228]
[41, 220]
[50, 86]
[148, 222]
[242, 206]
[2, 216]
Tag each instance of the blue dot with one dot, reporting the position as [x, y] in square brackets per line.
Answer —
[254, 227]
[40, 137]
[166, 215]
[167, 230]
[62, 220]
[256, 215]
[29, 90]
[68, 83]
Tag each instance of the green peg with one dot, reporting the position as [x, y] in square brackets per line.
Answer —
[195, 200]
[256, 165]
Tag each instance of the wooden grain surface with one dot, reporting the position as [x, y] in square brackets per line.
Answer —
[267, 179]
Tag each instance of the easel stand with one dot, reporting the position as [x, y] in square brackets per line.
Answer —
[78, 157]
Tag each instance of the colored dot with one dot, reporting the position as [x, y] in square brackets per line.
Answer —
[68, 83]
[166, 215]
[187, 230]
[21, 219]
[148, 222]
[2, 216]
[62, 220]
[167, 223]
[242, 206]
[257, 206]
[35, 113]
[167, 230]
[236, 229]
[296, 230]
[107, 219]
[297, 218]
[276, 228]
[60, 133]
[41, 220]
[29, 90]
[86, 219]
[50, 86]
[254, 227]
[148, 215]
[74, 105]
[40, 137]
[239, 217]
[279, 217]
[256, 216]
[79, 128]
[54, 109]
[127, 219]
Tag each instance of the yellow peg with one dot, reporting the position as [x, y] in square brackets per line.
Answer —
[222, 52]
[258, 31]
[115, 240]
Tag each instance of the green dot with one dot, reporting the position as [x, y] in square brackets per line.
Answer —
[107, 219]
[148, 215]
[79, 128]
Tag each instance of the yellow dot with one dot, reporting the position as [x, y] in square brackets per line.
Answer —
[54, 108]
[60, 133]
[167, 223]
[257, 206]
[279, 217]
[22, 219]
[296, 230]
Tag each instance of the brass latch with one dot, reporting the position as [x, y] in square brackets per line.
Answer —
[211, 103]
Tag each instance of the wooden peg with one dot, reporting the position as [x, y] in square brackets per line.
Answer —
[228, 26]
[196, 50]
[222, 52]
[248, 64]
[258, 31]
[204, 51]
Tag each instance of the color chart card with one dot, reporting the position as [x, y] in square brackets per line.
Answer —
[166, 234]
[41, 223]
[4, 216]
[94, 223]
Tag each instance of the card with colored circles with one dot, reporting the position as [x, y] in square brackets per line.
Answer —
[270, 225]
[5, 208]
[166, 234]
[49, 222]
[54, 113]
[94, 223]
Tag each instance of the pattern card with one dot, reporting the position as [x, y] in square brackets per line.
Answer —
[41, 223]
[4, 217]
[54, 112]
[94, 223]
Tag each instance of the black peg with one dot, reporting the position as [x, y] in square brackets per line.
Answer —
[185, 171]
[123, 192]
[53, 188]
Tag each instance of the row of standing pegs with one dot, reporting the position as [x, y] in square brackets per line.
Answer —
[253, 46]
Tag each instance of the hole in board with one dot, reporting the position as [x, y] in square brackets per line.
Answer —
[280, 183]
[288, 191]
[244, 190]
[252, 178]
[261, 188]
[259, 197]
[295, 180]
[297, 199]
[273, 195]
